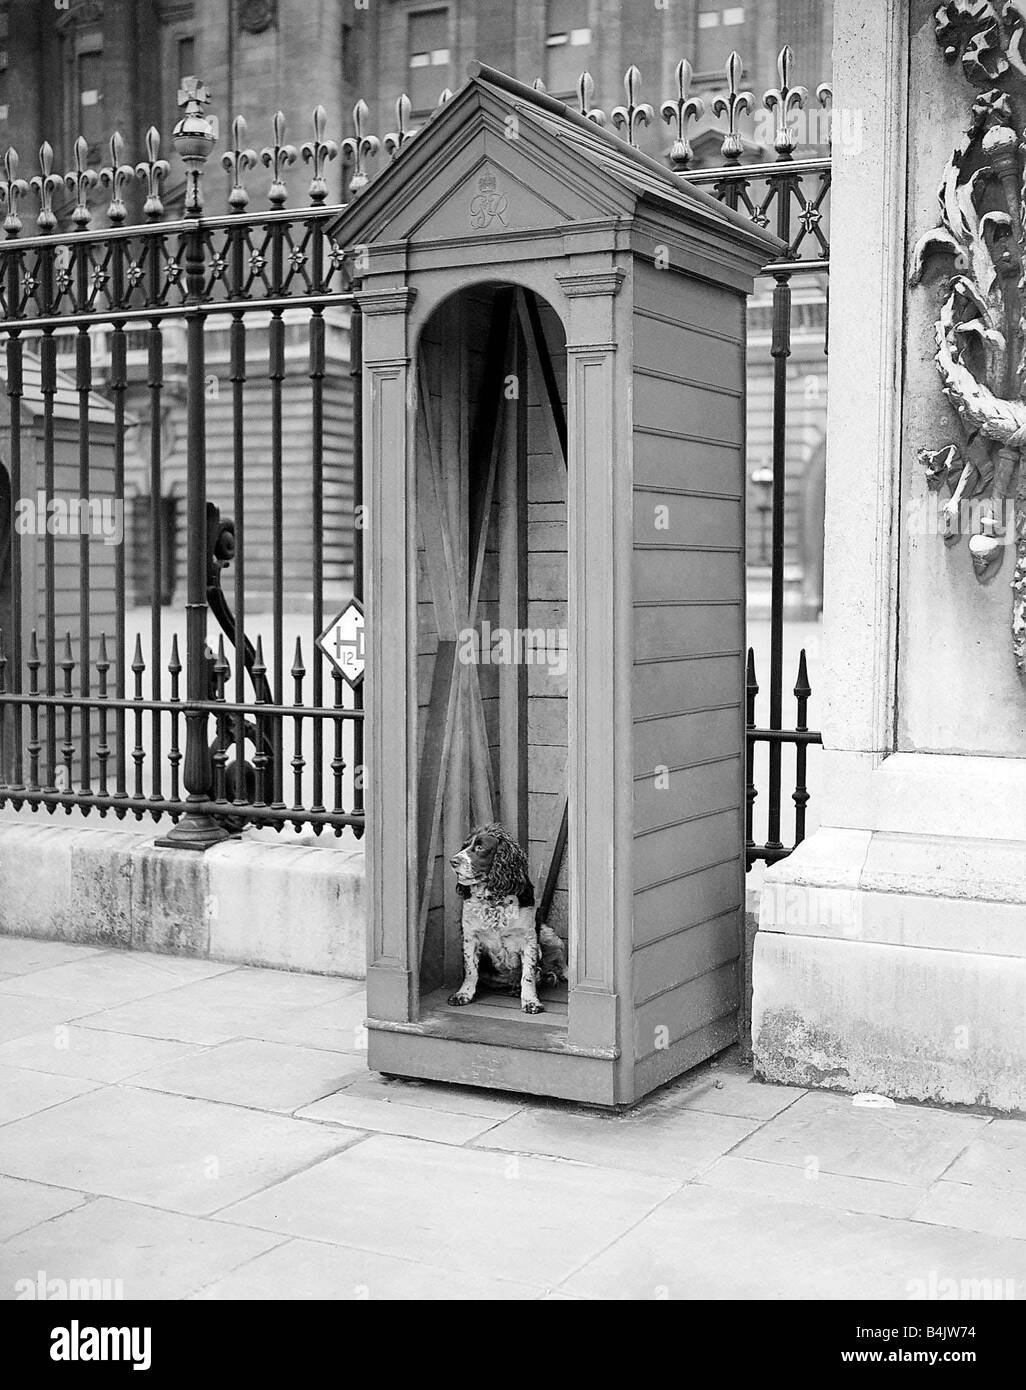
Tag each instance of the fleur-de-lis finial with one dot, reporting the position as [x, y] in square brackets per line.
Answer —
[396, 139]
[154, 170]
[681, 111]
[539, 86]
[115, 176]
[735, 104]
[81, 179]
[585, 92]
[635, 113]
[317, 152]
[12, 190]
[785, 99]
[357, 148]
[236, 161]
[45, 184]
[446, 95]
[277, 158]
[825, 94]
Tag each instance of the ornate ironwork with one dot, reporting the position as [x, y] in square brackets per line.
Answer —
[734, 104]
[635, 113]
[44, 185]
[396, 139]
[585, 92]
[278, 157]
[358, 148]
[12, 189]
[116, 176]
[981, 326]
[153, 171]
[317, 153]
[81, 179]
[236, 162]
[784, 99]
[194, 138]
[680, 112]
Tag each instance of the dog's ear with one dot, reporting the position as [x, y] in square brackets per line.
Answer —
[509, 867]
[525, 898]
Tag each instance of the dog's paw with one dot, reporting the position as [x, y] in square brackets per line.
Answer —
[460, 999]
[531, 1006]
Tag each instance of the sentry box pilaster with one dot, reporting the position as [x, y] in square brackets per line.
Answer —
[553, 434]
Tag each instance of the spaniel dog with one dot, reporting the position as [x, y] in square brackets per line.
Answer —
[499, 921]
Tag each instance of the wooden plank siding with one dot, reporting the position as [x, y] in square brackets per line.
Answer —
[688, 658]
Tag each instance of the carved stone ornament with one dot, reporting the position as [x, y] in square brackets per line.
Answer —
[981, 328]
[257, 15]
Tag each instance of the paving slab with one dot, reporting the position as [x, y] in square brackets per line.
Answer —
[162, 1016]
[191, 1156]
[786, 1182]
[434, 1095]
[726, 1094]
[25, 1092]
[337, 1025]
[21, 954]
[22, 1014]
[260, 1075]
[25, 1204]
[245, 986]
[110, 978]
[303, 1269]
[532, 1220]
[275, 1006]
[705, 1244]
[973, 1207]
[155, 1254]
[393, 1117]
[905, 1143]
[92, 1053]
[995, 1158]
[649, 1141]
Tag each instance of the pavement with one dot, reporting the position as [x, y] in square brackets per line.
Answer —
[184, 1129]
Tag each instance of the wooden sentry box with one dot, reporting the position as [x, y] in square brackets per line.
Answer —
[554, 413]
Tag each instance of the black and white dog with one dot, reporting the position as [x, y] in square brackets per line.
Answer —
[499, 921]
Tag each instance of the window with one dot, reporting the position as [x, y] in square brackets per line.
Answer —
[567, 44]
[90, 96]
[721, 29]
[186, 58]
[427, 43]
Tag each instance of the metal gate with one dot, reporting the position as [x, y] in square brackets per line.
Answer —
[230, 325]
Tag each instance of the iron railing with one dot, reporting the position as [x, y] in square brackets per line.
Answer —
[198, 272]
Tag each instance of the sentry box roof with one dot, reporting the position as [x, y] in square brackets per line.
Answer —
[505, 167]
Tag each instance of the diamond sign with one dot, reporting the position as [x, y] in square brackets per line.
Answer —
[342, 642]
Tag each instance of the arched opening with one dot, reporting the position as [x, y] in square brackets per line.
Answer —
[492, 607]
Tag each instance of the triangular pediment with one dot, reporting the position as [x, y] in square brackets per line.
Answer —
[481, 170]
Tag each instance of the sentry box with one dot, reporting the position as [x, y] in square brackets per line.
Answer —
[553, 436]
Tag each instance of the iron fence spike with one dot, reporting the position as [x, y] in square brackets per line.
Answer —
[278, 157]
[236, 162]
[733, 104]
[585, 92]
